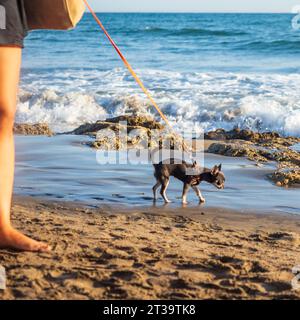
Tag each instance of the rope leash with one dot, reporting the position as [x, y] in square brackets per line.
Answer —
[128, 66]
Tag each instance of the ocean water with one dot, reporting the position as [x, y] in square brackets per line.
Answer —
[219, 70]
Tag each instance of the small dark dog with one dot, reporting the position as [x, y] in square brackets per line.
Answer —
[163, 172]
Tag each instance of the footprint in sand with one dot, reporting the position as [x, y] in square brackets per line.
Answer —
[277, 286]
[180, 284]
[116, 293]
[285, 236]
[130, 250]
[242, 265]
[179, 296]
[168, 229]
[124, 275]
[190, 266]
[138, 265]
[149, 250]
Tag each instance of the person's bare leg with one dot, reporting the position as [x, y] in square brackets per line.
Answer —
[10, 62]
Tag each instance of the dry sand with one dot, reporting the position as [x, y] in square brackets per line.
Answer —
[152, 254]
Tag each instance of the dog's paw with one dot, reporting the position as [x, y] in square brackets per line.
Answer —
[184, 202]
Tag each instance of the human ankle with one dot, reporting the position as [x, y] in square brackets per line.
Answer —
[5, 229]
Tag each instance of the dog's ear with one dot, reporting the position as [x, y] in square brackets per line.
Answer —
[220, 167]
[215, 170]
[195, 164]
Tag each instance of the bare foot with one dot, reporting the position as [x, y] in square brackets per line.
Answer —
[14, 239]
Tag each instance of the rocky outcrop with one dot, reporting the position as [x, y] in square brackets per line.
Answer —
[284, 155]
[238, 150]
[261, 148]
[125, 132]
[285, 178]
[39, 129]
[133, 123]
[251, 136]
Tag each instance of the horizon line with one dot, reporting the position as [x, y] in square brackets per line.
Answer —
[199, 12]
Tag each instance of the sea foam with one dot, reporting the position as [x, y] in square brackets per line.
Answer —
[66, 99]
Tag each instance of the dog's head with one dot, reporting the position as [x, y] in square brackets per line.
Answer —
[217, 177]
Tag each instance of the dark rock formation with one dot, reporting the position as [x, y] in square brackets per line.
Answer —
[39, 129]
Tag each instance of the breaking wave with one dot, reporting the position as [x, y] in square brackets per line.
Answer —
[212, 100]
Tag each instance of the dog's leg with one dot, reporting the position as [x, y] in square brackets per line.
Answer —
[198, 193]
[165, 184]
[158, 184]
[186, 188]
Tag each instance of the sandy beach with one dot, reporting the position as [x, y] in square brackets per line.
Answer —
[152, 253]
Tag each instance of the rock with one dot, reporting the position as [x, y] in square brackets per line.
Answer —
[286, 177]
[138, 121]
[128, 132]
[119, 137]
[141, 139]
[237, 150]
[248, 135]
[219, 135]
[260, 147]
[133, 122]
[41, 129]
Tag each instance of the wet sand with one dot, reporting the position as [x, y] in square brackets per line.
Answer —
[152, 253]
